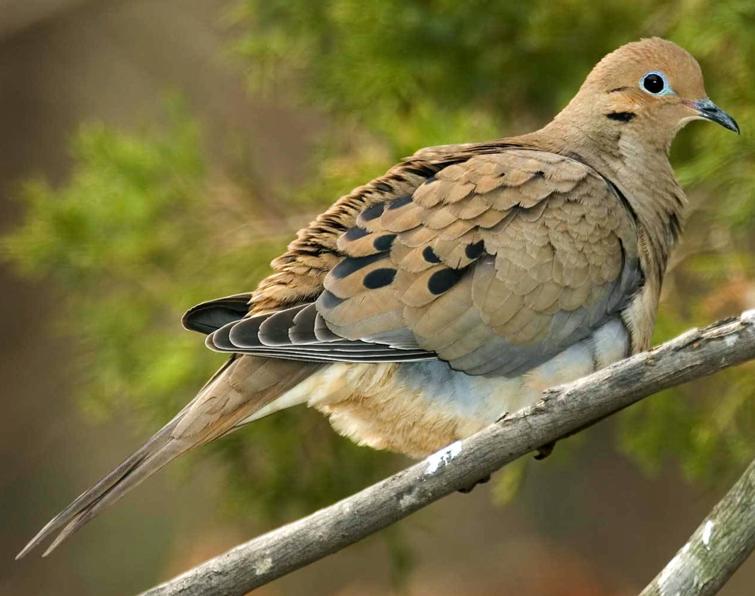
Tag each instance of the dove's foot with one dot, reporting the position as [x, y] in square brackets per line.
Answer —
[468, 489]
[545, 450]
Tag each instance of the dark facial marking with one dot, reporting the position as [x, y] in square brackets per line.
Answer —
[621, 116]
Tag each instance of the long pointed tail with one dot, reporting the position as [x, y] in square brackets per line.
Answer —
[240, 388]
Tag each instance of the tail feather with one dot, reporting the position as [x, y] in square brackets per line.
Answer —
[126, 476]
[243, 386]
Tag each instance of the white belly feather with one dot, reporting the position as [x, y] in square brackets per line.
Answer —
[418, 407]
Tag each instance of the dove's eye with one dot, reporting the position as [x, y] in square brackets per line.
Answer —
[655, 83]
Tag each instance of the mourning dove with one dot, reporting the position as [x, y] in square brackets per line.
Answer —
[456, 287]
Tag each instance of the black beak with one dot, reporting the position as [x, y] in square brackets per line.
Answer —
[710, 111]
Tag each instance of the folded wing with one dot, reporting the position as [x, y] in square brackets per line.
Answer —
[494, 264]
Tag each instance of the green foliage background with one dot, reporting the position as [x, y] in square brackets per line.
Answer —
[140, 232]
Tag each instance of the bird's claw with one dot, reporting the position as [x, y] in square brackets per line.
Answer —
[468, 489]
[545, 451]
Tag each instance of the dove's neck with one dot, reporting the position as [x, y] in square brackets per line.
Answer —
[639, 169]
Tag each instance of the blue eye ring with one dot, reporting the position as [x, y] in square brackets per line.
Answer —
[655, 83]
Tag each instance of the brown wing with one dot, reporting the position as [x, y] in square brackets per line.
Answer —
[495, 263]
[298, 274]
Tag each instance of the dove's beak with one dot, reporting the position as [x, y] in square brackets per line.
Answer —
[710, 111]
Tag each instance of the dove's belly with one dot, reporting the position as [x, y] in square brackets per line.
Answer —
[417, 408]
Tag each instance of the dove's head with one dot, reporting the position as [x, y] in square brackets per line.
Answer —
[651, 88]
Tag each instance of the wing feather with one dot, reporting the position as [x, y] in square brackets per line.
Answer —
[493, 262]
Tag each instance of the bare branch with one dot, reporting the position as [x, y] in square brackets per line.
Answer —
[717, 548]
[563, 410]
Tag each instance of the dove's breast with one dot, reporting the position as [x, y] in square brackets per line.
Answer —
[417, 408]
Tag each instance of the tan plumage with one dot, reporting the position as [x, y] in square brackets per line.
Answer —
[548, 236]
[457, 286]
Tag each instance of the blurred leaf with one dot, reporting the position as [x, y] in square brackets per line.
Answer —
[507, 482]
[133, 239]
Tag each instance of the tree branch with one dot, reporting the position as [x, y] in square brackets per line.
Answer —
[717, 548]
[562, 411]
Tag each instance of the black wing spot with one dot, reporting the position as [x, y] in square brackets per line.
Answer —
[474, 250]
[429, 255]
[350, 265]
[373, 211]
[443, 280]
[621, 116]
[400, 202]
[384, 242]
[356, 233]
[379, 278]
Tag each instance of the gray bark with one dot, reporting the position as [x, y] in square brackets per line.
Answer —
[717, 548]
[562, 411]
